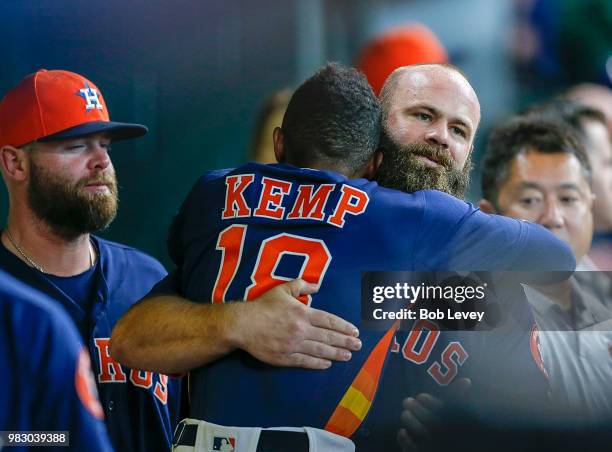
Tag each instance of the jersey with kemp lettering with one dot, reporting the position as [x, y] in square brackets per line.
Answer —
[140, 407]
[45, 373]
[242, 231]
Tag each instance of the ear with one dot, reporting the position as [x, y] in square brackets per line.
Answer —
[14, 163]
[279, 144]
[372, 167]
[486, 206]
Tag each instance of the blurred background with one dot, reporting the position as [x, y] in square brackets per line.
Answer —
[197, 72]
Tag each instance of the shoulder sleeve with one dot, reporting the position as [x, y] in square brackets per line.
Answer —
[121, 262]
[175, 233]
[469, 239]
[149, 268]
[196, 200]
[170, 285]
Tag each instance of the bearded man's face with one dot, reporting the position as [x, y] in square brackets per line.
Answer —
[421, 166]
[73, 207]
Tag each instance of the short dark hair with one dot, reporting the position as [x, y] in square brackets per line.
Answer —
[571, 112]
[520, 135]
[334, 118]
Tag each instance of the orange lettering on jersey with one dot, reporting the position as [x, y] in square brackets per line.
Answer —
[420, 327]
[271, 197]
[395, 346]
[316, 260]
[141, 378]
[230, 243]
[110, 370]
[453, 356]
[235, 205]
[308, 205]
[353, 201]
[161, 389]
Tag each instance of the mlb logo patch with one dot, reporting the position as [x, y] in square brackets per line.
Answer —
[227, 443]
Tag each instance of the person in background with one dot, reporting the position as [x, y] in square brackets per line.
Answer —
[269, 117]
[405, 45]
[536, 169]
[599, 150]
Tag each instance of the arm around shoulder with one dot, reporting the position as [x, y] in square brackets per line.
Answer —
[172, 335]
[169, 334]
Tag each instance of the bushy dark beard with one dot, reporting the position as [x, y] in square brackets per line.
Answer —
[402, 170]
[66, 207]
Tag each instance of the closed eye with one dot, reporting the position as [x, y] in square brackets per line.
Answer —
[76, 147]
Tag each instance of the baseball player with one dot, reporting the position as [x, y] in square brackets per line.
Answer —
[534, 169]
[55, 135]
[265, 224]
[45, 375]
[430, 116]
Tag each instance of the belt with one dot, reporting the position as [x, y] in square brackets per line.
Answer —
[269, 440]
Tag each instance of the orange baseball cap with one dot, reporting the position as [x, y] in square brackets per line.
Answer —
[402, 46]
[54, 105]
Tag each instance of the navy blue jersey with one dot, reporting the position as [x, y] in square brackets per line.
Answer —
[504, 365]
[45, 373]
[140, 407]
[243, 231]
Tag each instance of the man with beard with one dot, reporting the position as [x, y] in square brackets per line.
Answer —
[55, 135]
[266, 223]
[430, 117]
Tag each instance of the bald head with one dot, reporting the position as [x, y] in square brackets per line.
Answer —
[430, 117]
[434, 104]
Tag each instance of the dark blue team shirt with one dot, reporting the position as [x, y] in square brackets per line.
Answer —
[385, 230]
[42, 361]
[79, 287]
[141, 408]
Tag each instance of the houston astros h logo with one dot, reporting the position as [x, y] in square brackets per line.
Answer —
[91, 96]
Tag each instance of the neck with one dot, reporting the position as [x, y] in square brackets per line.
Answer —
[37, 243]
[329, 166]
